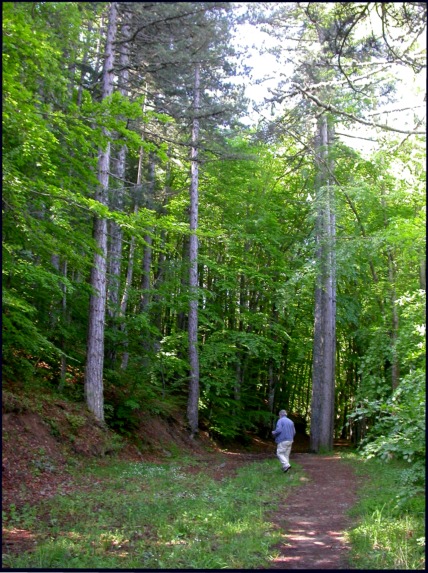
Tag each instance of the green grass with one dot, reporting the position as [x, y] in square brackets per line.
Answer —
[143, 515]
[390, 530]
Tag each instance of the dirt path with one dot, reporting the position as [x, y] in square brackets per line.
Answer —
[314, 516]
[312, 519]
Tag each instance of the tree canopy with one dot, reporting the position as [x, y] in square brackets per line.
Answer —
[208, 247]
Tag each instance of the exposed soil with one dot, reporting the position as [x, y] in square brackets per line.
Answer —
[313, 517]
[36, 464]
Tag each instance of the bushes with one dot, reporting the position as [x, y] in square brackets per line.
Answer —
[397, 428]
[399, 431]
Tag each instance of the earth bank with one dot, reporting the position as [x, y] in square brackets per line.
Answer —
[42, 444]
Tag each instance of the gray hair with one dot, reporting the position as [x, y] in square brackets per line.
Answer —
[282, 413]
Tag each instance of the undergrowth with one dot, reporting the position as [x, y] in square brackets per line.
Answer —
[160, 516]
[390, 517]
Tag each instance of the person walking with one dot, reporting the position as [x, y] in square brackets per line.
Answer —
[284, 435]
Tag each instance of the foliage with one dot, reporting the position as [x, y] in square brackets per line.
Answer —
[390, 529]
[257, 247]
[398, 428]
[183, 519]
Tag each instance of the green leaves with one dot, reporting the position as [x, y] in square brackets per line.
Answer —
[257, 249]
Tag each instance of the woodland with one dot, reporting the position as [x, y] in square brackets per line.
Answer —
[170, 243]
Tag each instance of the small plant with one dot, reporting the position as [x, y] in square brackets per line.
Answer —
[135, 514]
[115, 443]
[391, 529]
[15, 404]
[24, 517]
[75, 420]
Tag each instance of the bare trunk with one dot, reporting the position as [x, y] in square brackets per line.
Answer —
[94, 390]
[395, 367]
[272, 387]
[273, 371]
[130, 269]
[116, 240]
[125, 295]
[83, 64]
[116, 235]
[62, 268]
[323, 374]
[146, 282]
[193, 400]
[393, 333]
[147, 258]
[182, 318]
[423, 275]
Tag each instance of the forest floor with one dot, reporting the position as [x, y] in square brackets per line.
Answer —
[312, 519]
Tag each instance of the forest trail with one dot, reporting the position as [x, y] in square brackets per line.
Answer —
[314, 516]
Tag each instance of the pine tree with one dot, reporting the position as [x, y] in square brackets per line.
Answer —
[94, 387]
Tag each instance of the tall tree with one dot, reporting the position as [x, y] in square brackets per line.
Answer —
[193, 401]
[324, 351]
[94, 387]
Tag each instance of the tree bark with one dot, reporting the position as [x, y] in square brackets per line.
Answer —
[193, 399]
[115, 231]
[147, 257]
[393, 333]
[147, 343]
[125, 297]
[324, 354]
[130, 270]
[94, 390]
[395, 365]
[423, 274]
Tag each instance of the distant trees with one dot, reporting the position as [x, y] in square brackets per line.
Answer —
[158, 255]
[341, 75]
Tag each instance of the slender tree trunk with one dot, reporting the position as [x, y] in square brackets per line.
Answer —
[130, 270]
[182, 318]
[116, 235]
[125, 296]
[393, 333]
[271, 386]
[423, 274]
[240, 357]
[94, 390]
[147, 257]
[62, 268]
[323, 374]
[193, 400]
[83, 64]
[147, 343]
[395, 366]
[273, 369]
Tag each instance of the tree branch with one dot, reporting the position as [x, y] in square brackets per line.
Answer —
[334, 109]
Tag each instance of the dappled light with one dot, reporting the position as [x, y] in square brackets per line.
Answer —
[214, 216]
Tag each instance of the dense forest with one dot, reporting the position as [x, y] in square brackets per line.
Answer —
[170, 243]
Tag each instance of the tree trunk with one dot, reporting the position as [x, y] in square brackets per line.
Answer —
[193, 399]
[116, 235]
[393, 333]
[147, 257]
[323, 374]
[423, 274]
[62, 268]
[147, 343]
[130, 270]
[94, 391]
[125, 297]
[395, 366]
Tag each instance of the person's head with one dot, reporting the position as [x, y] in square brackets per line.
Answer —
[282, 413]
